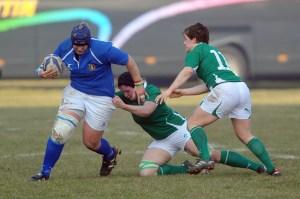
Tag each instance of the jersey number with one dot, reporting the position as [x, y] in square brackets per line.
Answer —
[218, 56]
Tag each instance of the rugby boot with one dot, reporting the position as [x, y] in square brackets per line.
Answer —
[275, 172]
[198, 166]
[108, 165]
[40, 177]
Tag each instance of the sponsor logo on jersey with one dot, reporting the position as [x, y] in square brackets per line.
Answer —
[92, 67]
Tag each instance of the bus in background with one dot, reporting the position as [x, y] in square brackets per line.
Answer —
[258, 37]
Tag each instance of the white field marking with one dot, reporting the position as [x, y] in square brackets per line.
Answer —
[12, 129]
[26, 155]
[130, 133]
[138, 152]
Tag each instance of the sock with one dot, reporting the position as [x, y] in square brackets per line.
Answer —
[234, 159]
[168, 169]
[52, 153]
[200, 139]
[259, 150]
[106, 150]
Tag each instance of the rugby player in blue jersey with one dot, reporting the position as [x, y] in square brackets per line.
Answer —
[88, 96]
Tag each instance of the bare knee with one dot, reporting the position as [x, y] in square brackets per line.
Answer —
[148, 172]
[91, 144]
[91, 137]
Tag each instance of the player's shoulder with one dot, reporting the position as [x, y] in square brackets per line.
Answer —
[150, 88]
[205, 46]
[66, 44]
[202, 48]
[97, 44]
[64, 47]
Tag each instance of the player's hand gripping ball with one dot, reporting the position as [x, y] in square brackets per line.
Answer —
[53, 62]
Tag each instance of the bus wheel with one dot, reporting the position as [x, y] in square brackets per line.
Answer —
[236, 59]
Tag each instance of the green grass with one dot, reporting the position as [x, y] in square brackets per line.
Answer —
[24, 130]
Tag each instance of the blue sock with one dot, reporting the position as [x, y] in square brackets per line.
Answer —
[52, 153]
[106, 150]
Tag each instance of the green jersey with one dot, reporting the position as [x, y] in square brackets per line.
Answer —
[162, 122]
[210, 65]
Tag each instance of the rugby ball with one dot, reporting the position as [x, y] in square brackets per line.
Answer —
[53, 62]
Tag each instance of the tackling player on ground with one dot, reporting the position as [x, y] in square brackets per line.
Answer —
[228, 95]
[88, 96]
[169, 131]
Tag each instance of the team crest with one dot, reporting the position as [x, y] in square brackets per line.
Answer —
[92, 67]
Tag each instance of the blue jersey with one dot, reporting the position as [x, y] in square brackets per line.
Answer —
[92, 73]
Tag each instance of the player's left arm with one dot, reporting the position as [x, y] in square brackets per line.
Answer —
[140, 110]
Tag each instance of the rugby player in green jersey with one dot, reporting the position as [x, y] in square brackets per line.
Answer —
[169, 131]
[228, 95]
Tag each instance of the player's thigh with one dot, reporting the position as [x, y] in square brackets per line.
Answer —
[221, 100]
[200, 118]
[91, 137]
[72, 100]
[191, 148]
[158, 155]
[65, 123]
[174, 142]
[152, 159]
[99, 110]
[69, 115]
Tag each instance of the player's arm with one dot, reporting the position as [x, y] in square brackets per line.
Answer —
[196, 90]
[134, 71]
[48, 74]
[181, 78]
[117, 56]
[140, 110]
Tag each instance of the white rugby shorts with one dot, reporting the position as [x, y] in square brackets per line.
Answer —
[97, 109]
[174, 142]
[230, 99]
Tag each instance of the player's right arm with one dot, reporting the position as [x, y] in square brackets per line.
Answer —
[48, 74]
[181, 78]
[196, 90]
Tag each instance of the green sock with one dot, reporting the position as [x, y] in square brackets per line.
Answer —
[168, 169]
[200, 139]
[259, 150]
[234, 159]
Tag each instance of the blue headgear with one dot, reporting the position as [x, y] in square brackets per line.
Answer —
[81, 34]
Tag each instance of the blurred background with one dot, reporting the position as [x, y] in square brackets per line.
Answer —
[260, 38]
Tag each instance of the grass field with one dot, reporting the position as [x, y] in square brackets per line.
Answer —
[27, 110]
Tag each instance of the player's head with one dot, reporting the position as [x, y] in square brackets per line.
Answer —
[195, 33]
[126, 85]
[81, 37]
[81, 34]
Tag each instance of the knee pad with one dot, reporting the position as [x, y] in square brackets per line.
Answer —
[146, 164]
[63, 127]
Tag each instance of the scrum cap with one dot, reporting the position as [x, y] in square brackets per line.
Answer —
[81, 34]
